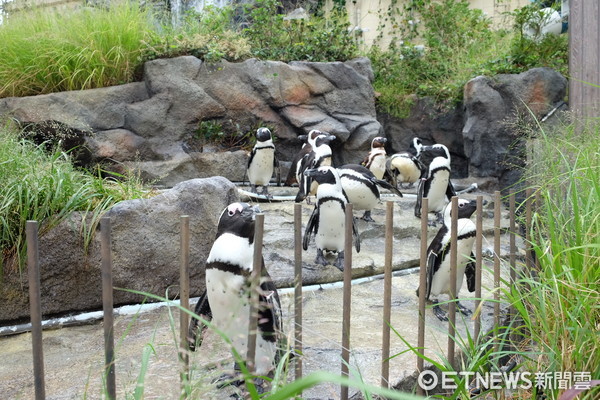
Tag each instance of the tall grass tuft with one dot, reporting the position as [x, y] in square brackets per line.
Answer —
[560, 307]
[45, 186]
[48, 51]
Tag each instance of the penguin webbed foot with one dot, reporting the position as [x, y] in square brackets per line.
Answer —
[462, 309]
[320, 260]
[367, 216]
[265, 192]
[438, 312]
[339, 262]
[253, 189]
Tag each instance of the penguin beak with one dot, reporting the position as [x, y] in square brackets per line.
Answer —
[330, 138]
[310, 172]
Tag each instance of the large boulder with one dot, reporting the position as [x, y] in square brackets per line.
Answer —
[497, 109]
[145, 251]
[153, 126]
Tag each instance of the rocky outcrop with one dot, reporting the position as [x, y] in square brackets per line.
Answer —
[145, 251]
[485, 133]
[153, 126]
[497, 112]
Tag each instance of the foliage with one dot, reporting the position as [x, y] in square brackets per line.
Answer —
[317, 38]
[44, 186]
[45, 52]
[555, 327]
[229, 134]
[439, 46]
[210, 35]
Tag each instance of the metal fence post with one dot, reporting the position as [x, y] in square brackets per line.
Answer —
[298, 287]
[422, 289]
[453, 294]
[347, 296]
[33, 272]
[107, 302]
[184, 298]
[254, 289]
[387, 293]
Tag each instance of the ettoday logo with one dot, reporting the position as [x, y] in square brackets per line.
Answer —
[429, 380]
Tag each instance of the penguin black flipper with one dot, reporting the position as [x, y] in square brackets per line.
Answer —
[450, 191]
[435, 256]
[389, 187]
[277, 169]
[356, 235]
[311, 227]
[293, 171]
[470, 274]
[304, 183]
[203, 310]
[270, 321]
[420, 191]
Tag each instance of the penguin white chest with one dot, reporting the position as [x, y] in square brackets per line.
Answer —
[229, 304]
[330, 233]
[260, 169]
[378, 166]
[437, 190]
[441, 280]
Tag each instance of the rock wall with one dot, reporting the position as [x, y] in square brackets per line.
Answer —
[145, 251]
[151, 126]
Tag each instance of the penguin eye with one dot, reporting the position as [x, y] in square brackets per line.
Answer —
[230, 212]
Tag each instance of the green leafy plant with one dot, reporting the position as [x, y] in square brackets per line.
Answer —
[37, 183]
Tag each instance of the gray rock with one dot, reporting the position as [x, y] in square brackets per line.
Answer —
[145, 251]
[159, 117]
[498, 111]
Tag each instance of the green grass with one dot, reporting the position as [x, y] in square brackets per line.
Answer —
[45, 186]
[45, 52]
[562, 306]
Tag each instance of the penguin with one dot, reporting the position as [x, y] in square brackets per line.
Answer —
[376, 159]
[415, 146]
[438, 257]
[327, 221]
[225, 302]
[262, 162]
[319, 155]
[360, 186]
[404, 169]
[435, 182]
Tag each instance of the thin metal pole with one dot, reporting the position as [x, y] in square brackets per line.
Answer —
[347, 296]
[107, 305]
[387, 293]
[184, 297]
[478, 263]
[33, 272]
[453, 294]
[497, 212]
[422, 289]
[254, 289]
[298, 287]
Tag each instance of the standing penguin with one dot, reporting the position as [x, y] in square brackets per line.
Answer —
[360, 186]
[318, 156]
[327, 221]
[376, 159]
[262, 162]
[226, 299]
[438, 257]
[435, 184]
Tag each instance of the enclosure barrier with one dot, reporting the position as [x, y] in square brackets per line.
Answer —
[107, 289]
